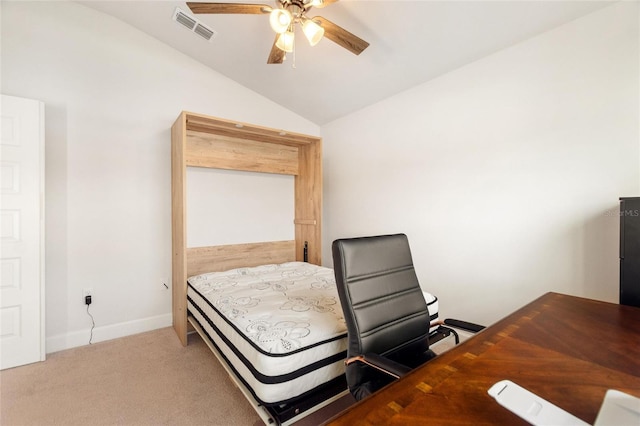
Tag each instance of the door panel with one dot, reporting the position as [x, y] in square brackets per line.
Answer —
[21, 232]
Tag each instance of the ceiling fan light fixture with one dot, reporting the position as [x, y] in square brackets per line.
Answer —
[285, 41]
[280, 19]
[312, 31]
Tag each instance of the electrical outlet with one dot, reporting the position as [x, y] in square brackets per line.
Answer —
[86, 292]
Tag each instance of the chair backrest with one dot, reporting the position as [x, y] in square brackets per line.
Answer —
[383, 304]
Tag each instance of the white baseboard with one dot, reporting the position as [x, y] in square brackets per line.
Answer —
[107, 332]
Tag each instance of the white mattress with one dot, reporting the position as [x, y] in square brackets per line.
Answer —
[280, 327]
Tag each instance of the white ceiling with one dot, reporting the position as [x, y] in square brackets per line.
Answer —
[411, 42]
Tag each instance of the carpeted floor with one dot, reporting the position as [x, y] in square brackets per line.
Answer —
[146, 379]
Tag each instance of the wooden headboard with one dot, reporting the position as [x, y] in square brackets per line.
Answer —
[202, 141]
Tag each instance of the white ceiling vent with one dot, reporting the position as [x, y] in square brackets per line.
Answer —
[194, 25]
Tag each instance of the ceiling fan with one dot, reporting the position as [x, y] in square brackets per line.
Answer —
[283, 19]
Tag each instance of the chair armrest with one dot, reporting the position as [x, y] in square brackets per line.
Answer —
[441, 332]
[381, 363]
[464, 325]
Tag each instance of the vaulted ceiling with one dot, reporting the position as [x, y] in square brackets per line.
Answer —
[411, 42]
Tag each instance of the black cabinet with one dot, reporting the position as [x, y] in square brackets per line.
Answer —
[630, 251]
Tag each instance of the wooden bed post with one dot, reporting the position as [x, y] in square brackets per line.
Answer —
[178, 228]
[308, 196]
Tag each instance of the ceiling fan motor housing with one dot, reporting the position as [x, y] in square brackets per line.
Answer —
[295, 7]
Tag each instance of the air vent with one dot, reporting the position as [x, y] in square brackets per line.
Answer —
[193, 25]
[183, 19]
[204, 32]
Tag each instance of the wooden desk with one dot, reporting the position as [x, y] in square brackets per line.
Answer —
[566, 349]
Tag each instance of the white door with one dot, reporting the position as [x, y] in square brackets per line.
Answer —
[22, 231]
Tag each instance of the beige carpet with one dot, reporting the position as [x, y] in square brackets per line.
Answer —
[146, 379]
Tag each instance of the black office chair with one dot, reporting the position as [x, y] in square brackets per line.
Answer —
[386, 315]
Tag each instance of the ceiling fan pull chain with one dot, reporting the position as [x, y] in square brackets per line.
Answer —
[293, 65]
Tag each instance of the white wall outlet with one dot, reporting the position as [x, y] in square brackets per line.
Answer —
[86, 292]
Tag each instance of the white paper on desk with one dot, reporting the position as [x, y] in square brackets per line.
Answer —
[618, 408]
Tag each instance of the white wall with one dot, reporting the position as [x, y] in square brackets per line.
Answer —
[111, 94]
[242, 213]
[506, 173]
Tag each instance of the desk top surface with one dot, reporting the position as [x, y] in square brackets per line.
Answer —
[567, 350]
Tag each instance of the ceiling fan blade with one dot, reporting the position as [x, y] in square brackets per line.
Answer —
[228, 8]
[325, 3]
[341, 36]
[277, 55]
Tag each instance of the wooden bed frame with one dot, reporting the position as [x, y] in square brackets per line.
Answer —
[202, 141]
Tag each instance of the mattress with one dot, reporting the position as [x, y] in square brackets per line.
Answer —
[280, 327]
